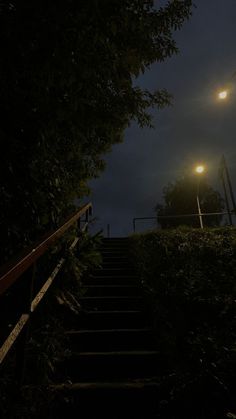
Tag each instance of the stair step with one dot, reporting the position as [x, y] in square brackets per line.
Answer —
[110, 239]
[115, 258]
[124, 385]
[111, 354]
[112, 302]
[110, 366]
[111, 339]
[114, 319]
[107, 290]
[113, 272]
[114, 252]
[111, 280]
[117, 265]
[115, 243]
[134, 399]
[116, 249]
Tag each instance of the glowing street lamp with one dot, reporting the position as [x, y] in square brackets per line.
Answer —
[227, 88]
[223, 95]
[199, 170]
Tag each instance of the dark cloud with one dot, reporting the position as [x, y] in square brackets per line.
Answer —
[196, 128]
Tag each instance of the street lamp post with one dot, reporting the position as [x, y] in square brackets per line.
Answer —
[226, 199]
[224, 171]
[199, 170]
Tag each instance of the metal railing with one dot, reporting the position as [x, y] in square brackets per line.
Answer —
[21, 275]
[181, 216]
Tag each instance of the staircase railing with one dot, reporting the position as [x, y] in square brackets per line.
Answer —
[19, 276]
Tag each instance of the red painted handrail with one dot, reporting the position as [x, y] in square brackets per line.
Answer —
[15, 270]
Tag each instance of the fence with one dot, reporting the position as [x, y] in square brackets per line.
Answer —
[169, 221]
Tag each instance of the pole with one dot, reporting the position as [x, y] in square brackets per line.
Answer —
[229, 183]
[226, 199]
[198, 204]
[199, 212]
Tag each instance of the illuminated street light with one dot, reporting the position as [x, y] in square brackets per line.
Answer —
[227, 88]
[223, 94]
[199, 170]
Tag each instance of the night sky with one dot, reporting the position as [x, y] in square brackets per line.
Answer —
[197, 128]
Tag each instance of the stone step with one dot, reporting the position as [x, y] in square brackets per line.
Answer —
[123, 271]
[111, 258]
[114, 319]
[112, 239]
[124, 247]
[107, 289]
[111, 280]
[109, 366]
[134, 399]
[115, 243]
[112, 302]
[114, 252]
[108, 264]
[111, 339]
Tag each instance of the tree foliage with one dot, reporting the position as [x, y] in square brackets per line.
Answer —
[181, 198]
[67, 85]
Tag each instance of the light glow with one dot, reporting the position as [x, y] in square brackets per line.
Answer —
[200, 169]
[223, 95]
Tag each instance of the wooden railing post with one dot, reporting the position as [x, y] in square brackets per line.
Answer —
[27, 290]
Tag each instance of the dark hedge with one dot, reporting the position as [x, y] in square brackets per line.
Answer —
[190, 277]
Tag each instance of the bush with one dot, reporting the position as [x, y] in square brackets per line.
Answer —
[190, 278]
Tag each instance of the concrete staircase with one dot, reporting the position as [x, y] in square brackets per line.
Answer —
[111, 372]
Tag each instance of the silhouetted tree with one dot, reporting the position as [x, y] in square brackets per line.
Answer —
[181, 198]
[67, 86]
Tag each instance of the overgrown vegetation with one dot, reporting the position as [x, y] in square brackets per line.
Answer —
[48, 345]
[190, 278]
